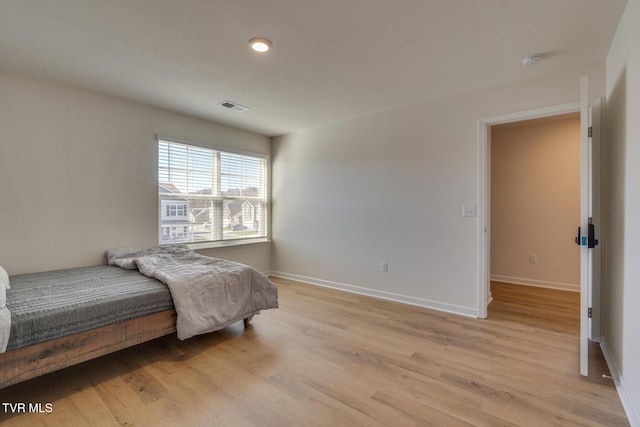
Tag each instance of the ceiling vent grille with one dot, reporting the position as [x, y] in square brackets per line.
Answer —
[233, 106]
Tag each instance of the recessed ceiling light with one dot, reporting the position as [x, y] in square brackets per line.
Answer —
[530, 61]
[260, 44]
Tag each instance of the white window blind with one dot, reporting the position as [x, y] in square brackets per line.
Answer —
[210, 195]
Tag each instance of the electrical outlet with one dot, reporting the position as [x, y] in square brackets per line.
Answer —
[384, 266]
[469, 210]
[533, 258]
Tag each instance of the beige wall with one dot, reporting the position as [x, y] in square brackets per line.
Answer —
[622, 206]
[78, 174]
[535, 202]
[391, 187]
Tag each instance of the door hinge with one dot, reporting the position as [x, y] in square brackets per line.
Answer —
[590, 131]
[590, 313]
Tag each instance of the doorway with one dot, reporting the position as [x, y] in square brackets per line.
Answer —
[535, 207]
[485, 214]
[535, 202]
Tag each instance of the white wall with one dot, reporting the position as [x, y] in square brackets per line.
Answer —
[535, 202]
[391, 187]
[622, 205]
[78, 174]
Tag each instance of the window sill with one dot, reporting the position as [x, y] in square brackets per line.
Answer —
[228, 243]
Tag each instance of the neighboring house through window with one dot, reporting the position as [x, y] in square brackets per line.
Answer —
[175, 224]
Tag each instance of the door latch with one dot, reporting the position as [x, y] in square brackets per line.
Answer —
[589, 240]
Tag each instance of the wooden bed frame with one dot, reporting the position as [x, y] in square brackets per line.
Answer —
[39, 359]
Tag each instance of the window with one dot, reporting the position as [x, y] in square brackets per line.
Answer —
[210, 195]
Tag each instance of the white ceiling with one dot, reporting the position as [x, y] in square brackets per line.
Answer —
[331, 59]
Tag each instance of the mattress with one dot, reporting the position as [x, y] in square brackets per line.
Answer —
[54, 304]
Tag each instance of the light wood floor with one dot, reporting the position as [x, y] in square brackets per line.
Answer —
[330, 358]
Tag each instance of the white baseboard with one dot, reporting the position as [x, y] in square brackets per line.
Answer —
[633, 412]
[539, 283]
[406, 299]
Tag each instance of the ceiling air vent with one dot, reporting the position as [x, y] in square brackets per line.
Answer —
[233, 106]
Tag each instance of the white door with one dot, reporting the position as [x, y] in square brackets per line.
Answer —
[589, 224]
[594, 291]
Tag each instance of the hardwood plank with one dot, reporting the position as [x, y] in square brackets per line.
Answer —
[327, 357]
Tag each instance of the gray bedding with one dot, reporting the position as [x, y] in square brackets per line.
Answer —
[54, 304]
[208, 293]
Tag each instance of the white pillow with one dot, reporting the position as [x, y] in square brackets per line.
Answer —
[4, 279]
[5, 328]
[3, 297]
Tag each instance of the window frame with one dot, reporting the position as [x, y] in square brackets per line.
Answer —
[218, 199]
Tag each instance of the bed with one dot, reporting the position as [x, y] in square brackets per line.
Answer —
[64, 317]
